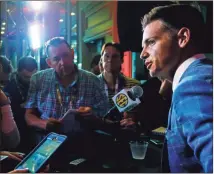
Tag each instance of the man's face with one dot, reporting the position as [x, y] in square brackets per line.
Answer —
[25, 75]
[61, 59]
[111, 59]
[160, 50]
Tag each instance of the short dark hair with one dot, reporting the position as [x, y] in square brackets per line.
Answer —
[95, 60]
[176, 16]
[5, 65]
[117, 46]
[56, 41]
[27, 63]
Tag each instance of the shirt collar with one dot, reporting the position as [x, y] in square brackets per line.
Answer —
[183, 67]
[76, 71]
[120, 78]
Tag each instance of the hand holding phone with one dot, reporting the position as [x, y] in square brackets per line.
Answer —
[70, 123]
[84, 111]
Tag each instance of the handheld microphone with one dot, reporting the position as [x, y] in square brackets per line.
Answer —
[135, 92]
[126, 99]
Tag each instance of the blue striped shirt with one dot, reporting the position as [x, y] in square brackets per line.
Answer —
[86, 90]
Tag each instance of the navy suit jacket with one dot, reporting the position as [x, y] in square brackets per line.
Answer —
[190, 123]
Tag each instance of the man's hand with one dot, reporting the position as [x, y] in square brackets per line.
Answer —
[53, 125]
[127, 122]
[46, 169]
[128, 129]
[13, 155]
[84, 113]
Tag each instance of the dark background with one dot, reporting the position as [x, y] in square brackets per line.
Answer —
[129, 22]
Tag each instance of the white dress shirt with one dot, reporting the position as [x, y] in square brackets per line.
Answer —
[183, 67]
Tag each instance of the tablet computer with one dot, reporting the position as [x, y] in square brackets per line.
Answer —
[38, 157]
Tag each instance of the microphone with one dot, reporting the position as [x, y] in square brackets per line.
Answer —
[135, 92]
[125, 100]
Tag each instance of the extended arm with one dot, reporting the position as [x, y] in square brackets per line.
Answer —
[9, 132]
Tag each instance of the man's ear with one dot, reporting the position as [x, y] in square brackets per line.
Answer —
[183, 37]
[48, 61]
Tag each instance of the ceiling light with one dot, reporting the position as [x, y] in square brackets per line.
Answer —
[35, 35]
[37, 5]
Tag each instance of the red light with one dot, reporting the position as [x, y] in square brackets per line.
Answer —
[73, 2]
[62, 11]
[25, 9]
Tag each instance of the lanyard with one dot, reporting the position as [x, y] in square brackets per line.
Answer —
[63, 110]
[59, 96]
[116, 86]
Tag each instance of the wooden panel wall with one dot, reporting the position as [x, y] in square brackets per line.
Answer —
[99, 16]
[101, 23]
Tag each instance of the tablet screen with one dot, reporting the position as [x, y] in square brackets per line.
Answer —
[39, 157]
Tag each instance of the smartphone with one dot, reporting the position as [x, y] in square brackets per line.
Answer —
[69, 124]
[39, 156]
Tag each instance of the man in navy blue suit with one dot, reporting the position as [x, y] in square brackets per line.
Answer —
[172, 48]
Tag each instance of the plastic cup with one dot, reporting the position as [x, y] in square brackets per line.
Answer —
[138, 149]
